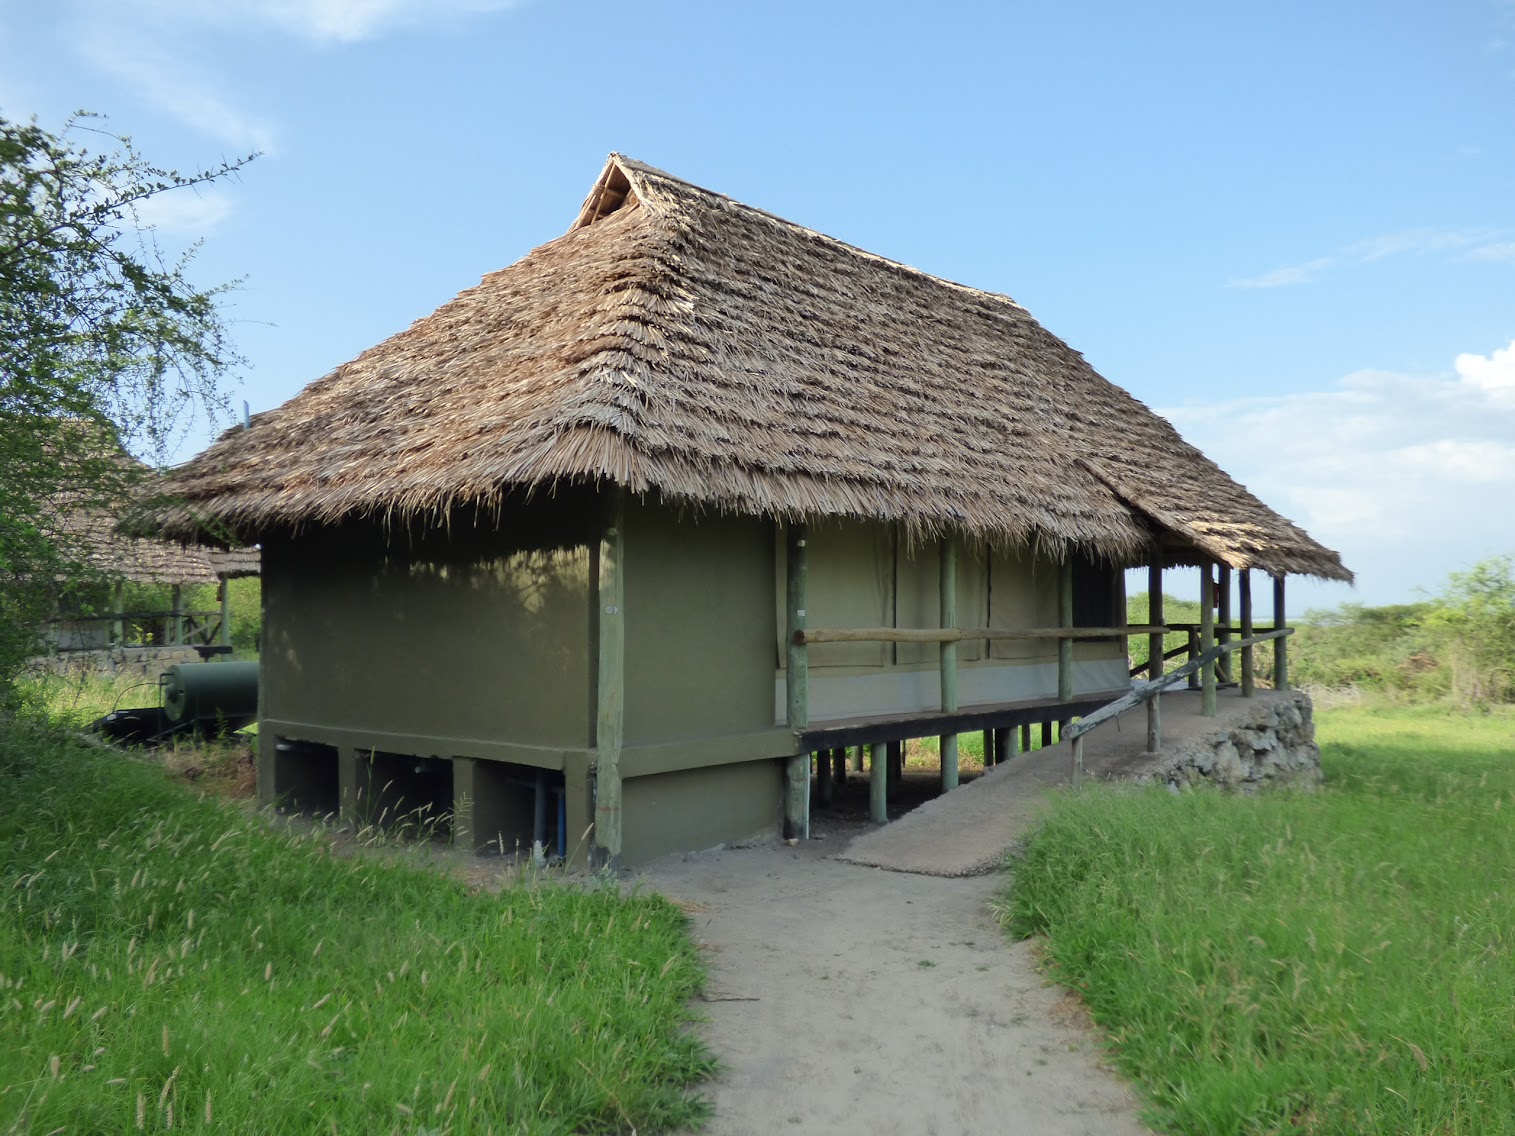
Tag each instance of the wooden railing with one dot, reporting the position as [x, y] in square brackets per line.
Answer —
[1151, 692]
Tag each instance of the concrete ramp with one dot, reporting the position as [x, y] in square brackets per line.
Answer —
[970, 830]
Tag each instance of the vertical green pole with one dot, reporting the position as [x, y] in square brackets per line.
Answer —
[797, 686]
[610, 716]
[1223, 632]
[1207, 636]
[949, 660]
[1065, 620]
[1155, 643]
[857, 760]
[1280, 645]
[878, 782]
[223, 593]
[1248, 660]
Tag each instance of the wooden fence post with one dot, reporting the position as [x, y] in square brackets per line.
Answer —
[1248, 659]
[1281, 644]
[610, 717]
[1207, 637]
[1065, 621]
[797, 684]
[948, 588]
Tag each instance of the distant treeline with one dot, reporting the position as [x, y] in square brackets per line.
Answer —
[1457, 646]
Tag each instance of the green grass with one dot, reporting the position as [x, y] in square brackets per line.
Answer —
[167, 961]
[1314, 963]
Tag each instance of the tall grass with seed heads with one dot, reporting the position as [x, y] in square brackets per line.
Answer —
[167, 962]
[1335, 962]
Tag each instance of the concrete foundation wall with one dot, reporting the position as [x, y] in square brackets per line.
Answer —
[699, 808]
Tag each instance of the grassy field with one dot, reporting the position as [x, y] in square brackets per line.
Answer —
[1331, 963]
[167, 961]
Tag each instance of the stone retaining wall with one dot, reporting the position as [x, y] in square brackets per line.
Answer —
[1273, 744]
[146, 663]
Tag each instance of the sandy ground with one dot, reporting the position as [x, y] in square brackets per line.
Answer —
[848, 999]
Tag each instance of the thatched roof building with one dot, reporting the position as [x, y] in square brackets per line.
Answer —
[677, 341]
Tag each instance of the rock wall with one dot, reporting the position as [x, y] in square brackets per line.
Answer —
[1272, 744]
[145, 663]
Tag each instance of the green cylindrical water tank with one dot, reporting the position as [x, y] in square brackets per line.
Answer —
[207, 692]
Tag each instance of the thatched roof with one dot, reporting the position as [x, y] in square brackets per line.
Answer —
[678, 342]
[99, 484]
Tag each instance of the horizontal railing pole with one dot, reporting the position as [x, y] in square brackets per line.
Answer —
[1153, 689]
[958, 634]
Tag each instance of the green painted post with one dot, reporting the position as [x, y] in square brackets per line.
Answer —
[223, 593]
[1281, 644]
[1065, 620]
[1207, 637]
[1223, 632]
[857, 759]
[1026, 746]
[878, 782]
[610, 715]
[1248, 660]
[797, 686]
[948, 589]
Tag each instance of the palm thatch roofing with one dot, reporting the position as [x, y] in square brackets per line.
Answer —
[676, 341]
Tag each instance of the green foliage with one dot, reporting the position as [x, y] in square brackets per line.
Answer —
[166, 962]
[104, 346]
[1323, 963]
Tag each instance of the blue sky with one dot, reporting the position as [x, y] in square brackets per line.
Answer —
[1289, 227]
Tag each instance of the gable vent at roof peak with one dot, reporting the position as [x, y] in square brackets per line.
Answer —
[611, 192]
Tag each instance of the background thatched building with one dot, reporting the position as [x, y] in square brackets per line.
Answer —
[568, 523]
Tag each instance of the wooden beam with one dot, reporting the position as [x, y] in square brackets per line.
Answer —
[1065, 620]
[948, 590]
[1248, 660]
[811, 636]
[1280, 646]
[797, 684]
[878, 782]
[1223, 623]
[610, 696]
[1207, 636]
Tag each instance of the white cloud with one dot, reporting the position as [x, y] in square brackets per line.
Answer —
[1418, 241]
[165, 80]
[321, 21]
[185, 211]
[1499, 252]
[1408, 476]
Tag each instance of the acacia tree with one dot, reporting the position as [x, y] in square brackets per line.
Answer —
[105, 345]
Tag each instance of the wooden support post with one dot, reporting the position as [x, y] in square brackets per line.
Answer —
[1193, 681]
[1065, 620]
[896, 768]
[1207, 636]
[878, 782]
[823, 772]
[948, 589]
[1078, 761]
[176, 622]
[1046, 734]
[1154, 725]
[839, 766]
[1026, 738]
[223, 593]
[857, 760]
[1248, 660]
[1223, 669]
[797, 682]
[1281, 644]
[610, 691]
[991, 746]
[1155, 611]
[118, 625]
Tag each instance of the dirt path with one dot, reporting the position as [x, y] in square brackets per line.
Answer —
[847, 999]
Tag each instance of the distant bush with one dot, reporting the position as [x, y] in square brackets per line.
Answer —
[1456, 647]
